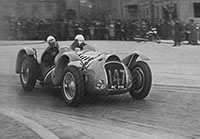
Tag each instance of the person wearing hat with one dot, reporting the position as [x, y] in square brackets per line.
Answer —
[78, 42]
[51, 51]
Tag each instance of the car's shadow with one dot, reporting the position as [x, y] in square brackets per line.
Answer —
[52, 98]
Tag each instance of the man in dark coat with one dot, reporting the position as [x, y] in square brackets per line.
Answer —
[50, 52]
[177, 33]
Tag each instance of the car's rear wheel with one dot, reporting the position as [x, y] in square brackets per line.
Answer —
[72, 86]
[141, 80]
[28, 72]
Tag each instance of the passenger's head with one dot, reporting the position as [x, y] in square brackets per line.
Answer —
[79, 38]
[51, 41]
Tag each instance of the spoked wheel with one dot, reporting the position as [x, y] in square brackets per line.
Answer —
[141, 80]
[28, 72]
[72, 86]
[25, 71]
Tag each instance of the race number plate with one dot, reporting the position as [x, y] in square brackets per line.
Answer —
[116, 76]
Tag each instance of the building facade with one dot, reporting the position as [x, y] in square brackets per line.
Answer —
[28, 8]
[148, 9]
[162, 9]
[44, 9]
[102, 9]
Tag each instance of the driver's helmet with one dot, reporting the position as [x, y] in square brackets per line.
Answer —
[79, 38]
[51, 41]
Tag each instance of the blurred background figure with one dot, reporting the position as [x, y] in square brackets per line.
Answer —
[177, 33]
[193, 32]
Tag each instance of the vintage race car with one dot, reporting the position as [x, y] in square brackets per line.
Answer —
[78, 73]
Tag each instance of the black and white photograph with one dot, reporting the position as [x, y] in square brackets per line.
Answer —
[99, 69]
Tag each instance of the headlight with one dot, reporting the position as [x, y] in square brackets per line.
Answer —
[100, 84]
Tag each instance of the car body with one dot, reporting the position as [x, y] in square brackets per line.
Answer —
[83, 72]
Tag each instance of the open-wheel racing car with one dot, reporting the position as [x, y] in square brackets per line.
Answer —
[81, 72]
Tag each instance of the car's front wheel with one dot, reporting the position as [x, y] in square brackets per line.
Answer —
[28, 72]
[141, 80]
[72, 86]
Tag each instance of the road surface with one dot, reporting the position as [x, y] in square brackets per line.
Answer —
[172, 109]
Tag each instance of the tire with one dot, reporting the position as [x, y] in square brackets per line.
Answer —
[72, 86]
[28, 72]
[141, 80]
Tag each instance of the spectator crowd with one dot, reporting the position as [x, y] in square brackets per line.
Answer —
[39, 29]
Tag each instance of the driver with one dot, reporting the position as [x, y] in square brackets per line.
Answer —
[51, 51]
[78, 42]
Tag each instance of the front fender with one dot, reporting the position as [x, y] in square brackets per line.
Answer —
[26, 50]
[131, 59]
[61, 62]
[71, 55]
